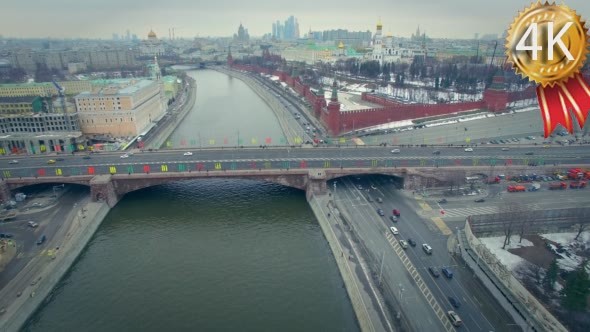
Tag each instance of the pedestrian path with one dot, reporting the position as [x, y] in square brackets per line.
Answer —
[464, 212]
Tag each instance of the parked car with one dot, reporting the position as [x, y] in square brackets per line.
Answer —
[454, 302]
[412, 242]
[447, 272]
[434, 271]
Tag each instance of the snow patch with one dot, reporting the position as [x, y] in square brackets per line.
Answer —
[566, 257]
[511, 261]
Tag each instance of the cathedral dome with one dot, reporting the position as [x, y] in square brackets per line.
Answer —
[341, 45]
[152, 34]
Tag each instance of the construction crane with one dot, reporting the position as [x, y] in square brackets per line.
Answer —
[62, 97]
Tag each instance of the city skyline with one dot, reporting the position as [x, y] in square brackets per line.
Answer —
[222, 18]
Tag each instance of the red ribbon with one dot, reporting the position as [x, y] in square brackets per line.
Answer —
[557, 101]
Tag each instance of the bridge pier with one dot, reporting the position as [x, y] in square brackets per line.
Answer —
[103, 189]
[5, 194]
[316, 183]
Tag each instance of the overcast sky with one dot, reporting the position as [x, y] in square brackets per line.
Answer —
[100, 19]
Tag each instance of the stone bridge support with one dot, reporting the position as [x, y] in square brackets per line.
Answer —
[103, 189]
[316, 183]
[5, 194]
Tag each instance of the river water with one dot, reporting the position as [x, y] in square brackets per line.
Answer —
[215, 254]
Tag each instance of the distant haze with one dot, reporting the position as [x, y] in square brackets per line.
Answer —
[100, 19]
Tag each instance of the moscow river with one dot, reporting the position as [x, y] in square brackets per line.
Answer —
[216, 254]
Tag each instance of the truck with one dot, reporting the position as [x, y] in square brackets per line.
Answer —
[493, 180]
[534, 186]
[575, 174]
[578, 184]
[558, 186]
[513, 189]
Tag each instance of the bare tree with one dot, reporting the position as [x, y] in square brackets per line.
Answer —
[583, 215]
[512, 218]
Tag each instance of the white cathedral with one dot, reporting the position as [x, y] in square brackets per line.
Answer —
[385, 52]
[152, 46]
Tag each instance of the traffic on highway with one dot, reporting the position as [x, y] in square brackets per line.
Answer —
[451, 284]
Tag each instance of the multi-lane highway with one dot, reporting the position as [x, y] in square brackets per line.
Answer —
[478, 310]
[281, 158]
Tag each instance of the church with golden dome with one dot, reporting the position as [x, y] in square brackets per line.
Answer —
[151, 46]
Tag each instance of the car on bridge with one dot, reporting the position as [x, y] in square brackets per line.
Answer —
[395, 151]
[86, 157]
[124, 156]
[51, 161]
[469, 150]
[41, 240]
[479, 200]
[380, 212]
[403, 244]
[188, 153]
[396, 213]
[427, 249]
[393, 218]
[454, 318]
[13, 161]
[394, 230]
[412, 242]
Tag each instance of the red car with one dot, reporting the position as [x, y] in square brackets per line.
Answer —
[396, 212]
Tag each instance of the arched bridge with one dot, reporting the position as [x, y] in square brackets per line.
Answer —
[112, 175]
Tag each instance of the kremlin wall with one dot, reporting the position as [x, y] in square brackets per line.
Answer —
[495, 99]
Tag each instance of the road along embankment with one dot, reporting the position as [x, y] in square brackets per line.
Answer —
[368, 310]
[43, 273]
[162, 134]
[291, 132]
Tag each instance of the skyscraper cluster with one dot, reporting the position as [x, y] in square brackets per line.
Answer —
[289, 30]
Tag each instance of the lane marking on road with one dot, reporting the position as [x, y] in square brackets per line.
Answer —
[441, 225]
[425, 206]
[419, 282]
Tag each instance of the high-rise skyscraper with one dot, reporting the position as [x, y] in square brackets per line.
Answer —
[287, 31]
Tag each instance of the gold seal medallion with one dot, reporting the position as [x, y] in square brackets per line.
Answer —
[547, 43]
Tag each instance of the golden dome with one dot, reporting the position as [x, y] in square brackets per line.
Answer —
[152, 34]
[341, 45]
[389, 34]
[379, 25]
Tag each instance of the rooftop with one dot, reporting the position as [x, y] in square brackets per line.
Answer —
[353, 102]
[12, 100]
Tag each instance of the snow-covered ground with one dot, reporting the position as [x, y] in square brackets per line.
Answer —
[569, 260]
[494, 244]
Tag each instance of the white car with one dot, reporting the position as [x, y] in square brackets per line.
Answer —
[394, 230]
[13, 162]
[188, 153]
[469, 150]
[124, 156]
[395, 151]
